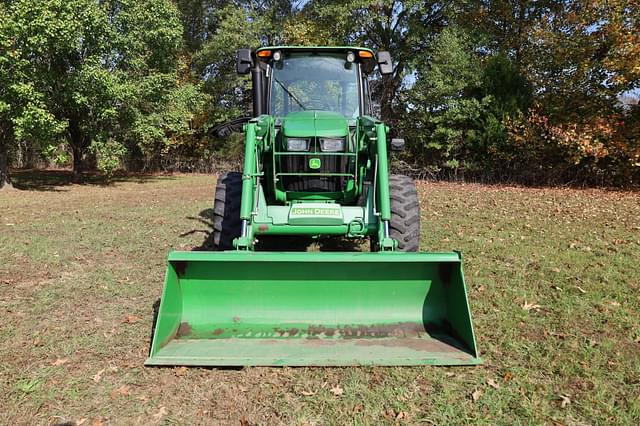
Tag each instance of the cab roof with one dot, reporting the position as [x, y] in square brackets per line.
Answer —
[316, 48]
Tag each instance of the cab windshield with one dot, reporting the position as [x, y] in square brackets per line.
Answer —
[303, 83]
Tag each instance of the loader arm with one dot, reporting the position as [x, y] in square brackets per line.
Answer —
[257, 139]
[375, 133]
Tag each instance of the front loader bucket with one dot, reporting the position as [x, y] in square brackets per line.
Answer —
[261, 308]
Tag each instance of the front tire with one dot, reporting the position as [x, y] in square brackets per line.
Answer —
[405, 213]
[226, 210]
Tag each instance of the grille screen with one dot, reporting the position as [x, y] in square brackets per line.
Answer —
[300, 164]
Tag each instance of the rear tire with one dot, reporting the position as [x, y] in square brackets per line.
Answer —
[226, 210]
[405, 213]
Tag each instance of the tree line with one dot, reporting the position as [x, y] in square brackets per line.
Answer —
[533, 91]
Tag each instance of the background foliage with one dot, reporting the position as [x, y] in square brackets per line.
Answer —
[530, 91]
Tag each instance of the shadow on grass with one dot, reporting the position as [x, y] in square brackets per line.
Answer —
[339, 244]
[57, 180]
[205, 217]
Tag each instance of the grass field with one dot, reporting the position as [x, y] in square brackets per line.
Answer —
[554, 287]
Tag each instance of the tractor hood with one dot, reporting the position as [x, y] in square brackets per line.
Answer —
[315, 124]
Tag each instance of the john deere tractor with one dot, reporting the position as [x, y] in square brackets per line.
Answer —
[315, 165]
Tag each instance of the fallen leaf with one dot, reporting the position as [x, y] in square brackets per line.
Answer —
[180, 371]
[337, 390]
[556, 270]
[100, 421]
[493, 384]
[450, 374]
[98, 376]
[507, 377]
[530, 306]
[60, 361]
[121, 391]
[389, 414]
[358, 408]
[307, 393]
[476, 394]
[555, 287]
[162, 411]
[401, 415]
[131, 319]
[565, 401]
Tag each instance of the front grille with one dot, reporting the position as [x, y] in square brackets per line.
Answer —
[300, 164]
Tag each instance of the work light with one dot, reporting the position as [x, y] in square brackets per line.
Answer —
[332, 144]
[297, 144]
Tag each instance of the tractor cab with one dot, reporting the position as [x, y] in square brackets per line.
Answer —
[292, 79]
[299, 82]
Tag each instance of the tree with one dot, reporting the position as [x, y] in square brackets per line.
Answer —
[458, 106]
[239, 24]
[23, 113]
[89, 58]
[440, 108]
[405, 28]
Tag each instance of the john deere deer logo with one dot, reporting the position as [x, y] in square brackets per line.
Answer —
[314, 163]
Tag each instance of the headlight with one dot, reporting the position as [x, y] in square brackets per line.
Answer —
[297, 144]
[331, 145]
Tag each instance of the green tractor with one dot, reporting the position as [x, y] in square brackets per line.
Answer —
[315, 165]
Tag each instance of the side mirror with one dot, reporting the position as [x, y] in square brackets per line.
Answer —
[224, 130]
[397, 144]
[384, 62]
[244, 61]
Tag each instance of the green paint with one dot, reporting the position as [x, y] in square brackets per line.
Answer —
[315, 123]
[246, 205]
[314, 163]
[255, 308]
[383, 172]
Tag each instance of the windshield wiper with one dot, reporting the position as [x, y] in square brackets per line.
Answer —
[289, 93]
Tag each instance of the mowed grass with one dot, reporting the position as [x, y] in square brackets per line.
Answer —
[554, 288]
